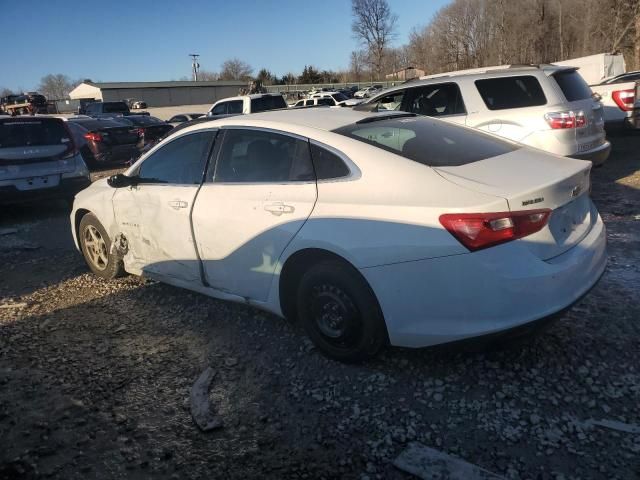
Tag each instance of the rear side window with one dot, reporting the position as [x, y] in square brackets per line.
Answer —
[427, 141]
[114, 107]
[32, 133]
[326, 101]
[270, 102]
[234, 107]
[327, 164]
[262, 156]
[219, 109]
[436, 100]
[511, 92]
[573, 85]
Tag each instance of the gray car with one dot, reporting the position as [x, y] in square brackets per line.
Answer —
[547, 107]
[39, 159]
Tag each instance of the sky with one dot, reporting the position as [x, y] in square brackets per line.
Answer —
[150, 40]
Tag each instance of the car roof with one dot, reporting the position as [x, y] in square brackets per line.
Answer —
[497, 71]
[320, 118]
[252, 96]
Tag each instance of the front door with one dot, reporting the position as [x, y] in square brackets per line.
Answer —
[155, 215]
[262, 192]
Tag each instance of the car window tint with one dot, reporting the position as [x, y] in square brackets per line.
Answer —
[511, 92]
[220, 109]
[260, 156]
[32, 132]
[309, 102]
[270, 102]
[326, 101]
[393, 101]
[327, 164]
[234, 107]
[436, 100]
[573, 85]
[181, 161]
[427, 141]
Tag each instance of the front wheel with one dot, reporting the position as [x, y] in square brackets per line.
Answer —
[96, 248]
[340, 313]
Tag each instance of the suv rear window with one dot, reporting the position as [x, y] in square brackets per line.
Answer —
[511, 92]
[32, 132]
[270, 102]
[427, 141]
[114, 107]
[573, 85]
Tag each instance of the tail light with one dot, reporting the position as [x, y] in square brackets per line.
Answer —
[624, 99]
[93, 137]
[482, 230]
[71, 150]
[567, 119]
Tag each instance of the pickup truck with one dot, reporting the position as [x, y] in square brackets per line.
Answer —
[245, 104]
[621, 102]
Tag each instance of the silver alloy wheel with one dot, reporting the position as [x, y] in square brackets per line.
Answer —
[96, 247]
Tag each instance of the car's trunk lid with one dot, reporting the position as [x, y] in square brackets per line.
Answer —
[532, 180]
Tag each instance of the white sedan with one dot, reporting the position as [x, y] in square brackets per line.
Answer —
[368, 228]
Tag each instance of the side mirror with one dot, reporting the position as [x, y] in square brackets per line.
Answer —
[120, 180]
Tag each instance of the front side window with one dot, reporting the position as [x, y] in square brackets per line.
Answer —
[180, 162]
[511, 92]
[220, 109]
[263, 156]
[436, 100]
[393, 101]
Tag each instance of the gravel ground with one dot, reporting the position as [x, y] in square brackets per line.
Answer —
[95, 376]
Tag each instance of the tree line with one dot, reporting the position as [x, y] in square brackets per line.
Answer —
[463, 34]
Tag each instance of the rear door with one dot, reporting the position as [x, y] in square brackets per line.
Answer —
[262, 192]
[580, 100]
[154, 215]
[510, 106]
[34, 152]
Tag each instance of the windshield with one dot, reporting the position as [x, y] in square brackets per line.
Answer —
[428, 141]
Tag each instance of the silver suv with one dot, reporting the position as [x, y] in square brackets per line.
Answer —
[38, 159]
[547, 106]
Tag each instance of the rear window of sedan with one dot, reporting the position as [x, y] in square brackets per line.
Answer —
[424, 140]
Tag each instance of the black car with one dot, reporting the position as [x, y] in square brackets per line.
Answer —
[150, 129]
[105, 141]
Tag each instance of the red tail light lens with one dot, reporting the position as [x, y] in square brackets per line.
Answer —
[93, 137]
[482, 230]
[568, 119]
[624, 99]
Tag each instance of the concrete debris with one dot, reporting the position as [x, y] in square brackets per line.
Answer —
[201, 413]
[431, 464]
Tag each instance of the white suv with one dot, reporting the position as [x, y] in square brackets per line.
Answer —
[547, 107]
[245, 104]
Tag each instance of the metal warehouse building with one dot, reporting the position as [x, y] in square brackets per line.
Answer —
[158, 94]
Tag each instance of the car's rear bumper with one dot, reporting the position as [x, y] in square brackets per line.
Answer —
[447, 299]
[597, 156]
[66, 188]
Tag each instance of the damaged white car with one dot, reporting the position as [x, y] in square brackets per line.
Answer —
[369, 228]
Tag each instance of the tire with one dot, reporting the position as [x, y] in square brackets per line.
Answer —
[96, 245]
[340, 313]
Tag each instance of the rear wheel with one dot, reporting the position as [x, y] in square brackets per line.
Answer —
[340, 313]
[96, 248]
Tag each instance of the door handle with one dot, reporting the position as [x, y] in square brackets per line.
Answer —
[178, 204]
[278, 208]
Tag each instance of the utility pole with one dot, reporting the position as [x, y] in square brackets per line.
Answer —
[195, 66]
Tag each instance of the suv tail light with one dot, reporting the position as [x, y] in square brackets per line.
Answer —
[94, 137]
[569, 119]
[482, 230]
[624, 99]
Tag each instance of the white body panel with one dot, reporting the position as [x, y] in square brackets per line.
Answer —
[383, 218]
[614, 116]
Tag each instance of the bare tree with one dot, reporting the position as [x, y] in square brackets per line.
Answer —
[207, 76]
[235, 69]
[55, 86]
[5, 91]
[374, 25]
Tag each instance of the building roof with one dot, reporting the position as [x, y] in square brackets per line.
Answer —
[169, 84]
